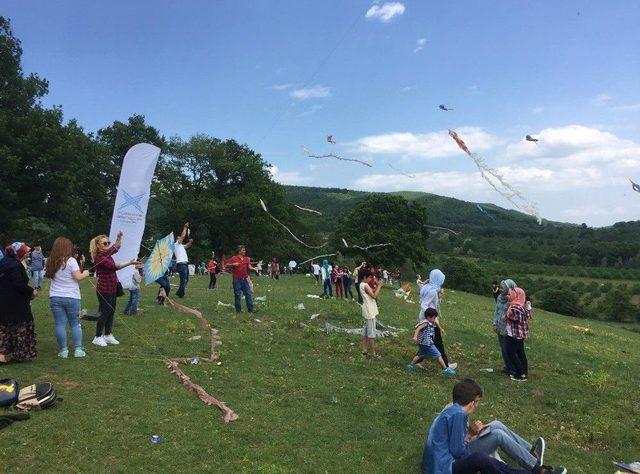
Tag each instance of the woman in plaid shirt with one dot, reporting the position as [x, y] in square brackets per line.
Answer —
[517, 320]
[105, 268]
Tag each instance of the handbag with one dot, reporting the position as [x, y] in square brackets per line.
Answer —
[119, 290]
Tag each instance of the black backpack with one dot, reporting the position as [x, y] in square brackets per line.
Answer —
[40, 395]
[9, 392]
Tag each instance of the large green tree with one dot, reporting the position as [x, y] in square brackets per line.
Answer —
[383, 218]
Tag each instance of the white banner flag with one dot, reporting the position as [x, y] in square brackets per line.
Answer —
[130, 211]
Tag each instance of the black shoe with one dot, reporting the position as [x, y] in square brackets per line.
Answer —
[537, 450]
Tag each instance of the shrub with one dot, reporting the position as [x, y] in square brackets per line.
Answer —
[559, 300]
[465, 276]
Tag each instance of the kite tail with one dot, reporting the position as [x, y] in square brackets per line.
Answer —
[173, 364]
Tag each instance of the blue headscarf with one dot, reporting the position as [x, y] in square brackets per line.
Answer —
[325, 265]
[502, 303]
[429, 293]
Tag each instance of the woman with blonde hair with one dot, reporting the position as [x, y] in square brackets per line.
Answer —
[64, 295]
[105, 268]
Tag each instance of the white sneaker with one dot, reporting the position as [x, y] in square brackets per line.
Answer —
[109, 339]
[453, 365]
[99, 341]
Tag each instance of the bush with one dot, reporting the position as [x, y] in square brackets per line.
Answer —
[559, 300]
[465, 276]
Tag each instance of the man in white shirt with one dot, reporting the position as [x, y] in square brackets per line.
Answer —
[316, 271]
[182, 260]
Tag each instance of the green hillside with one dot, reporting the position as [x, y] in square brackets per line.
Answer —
[513, 236]
[307, 400]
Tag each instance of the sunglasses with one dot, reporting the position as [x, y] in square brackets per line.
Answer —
[106, 243]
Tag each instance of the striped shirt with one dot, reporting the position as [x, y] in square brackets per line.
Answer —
[426, 335]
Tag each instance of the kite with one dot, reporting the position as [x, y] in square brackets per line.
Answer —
[308, 210]
[159, 261]
[264, 206]
[635, 187]
[441, 228]
[529, 138]
[486, 213]
[497, 182]
[330, 139]
[403, 292]
[317, 257]
[412, 176]
[345, 243]
[369, 246]
[444, 107]
[331, 155]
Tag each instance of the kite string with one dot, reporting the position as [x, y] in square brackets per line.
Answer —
[264, 207]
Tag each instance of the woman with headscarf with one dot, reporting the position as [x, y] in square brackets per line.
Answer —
[17, 329]
[325, 270]
[500, 326]
[430, 295]
[517, 321]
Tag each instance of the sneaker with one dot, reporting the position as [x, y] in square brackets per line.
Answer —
[453, 365]
[99, 341]
[79, 352]
[449, 372]
[537, 450]
[109, 339]
[411, 367]
[518, 379]
[552, 470]
[63, 354]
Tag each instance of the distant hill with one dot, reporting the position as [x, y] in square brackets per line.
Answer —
[510, 235]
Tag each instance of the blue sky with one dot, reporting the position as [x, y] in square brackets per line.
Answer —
[281, 75]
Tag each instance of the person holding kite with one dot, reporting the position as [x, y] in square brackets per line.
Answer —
[102, 255]
[182, 260]
[240, 265]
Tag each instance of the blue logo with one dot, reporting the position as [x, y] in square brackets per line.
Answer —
[133, 201]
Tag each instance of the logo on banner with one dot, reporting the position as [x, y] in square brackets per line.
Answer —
[127, 210]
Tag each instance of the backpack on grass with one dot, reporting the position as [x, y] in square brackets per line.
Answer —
[39, 395]
[9, 391]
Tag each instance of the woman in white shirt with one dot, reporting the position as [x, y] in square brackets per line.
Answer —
[64, 295]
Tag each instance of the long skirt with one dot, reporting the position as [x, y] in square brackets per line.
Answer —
[18, 341]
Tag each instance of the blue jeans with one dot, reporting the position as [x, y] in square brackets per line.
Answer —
[66, 310]
[163, 281]
[239, 287]
[508, 365]
[481, 462]
[501, 437]
[132, 305]
[326, 287]
[183, 271]
[37, 278]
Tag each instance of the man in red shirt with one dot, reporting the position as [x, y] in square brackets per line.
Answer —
[240, 265]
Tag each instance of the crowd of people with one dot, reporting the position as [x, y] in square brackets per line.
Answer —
[452, 445]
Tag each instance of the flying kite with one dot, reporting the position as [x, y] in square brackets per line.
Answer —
[529, 138]
[331, 155]
[330, 139]
[412, 176]
[369, 246]
[317, 257]
[345, 243]
[159, 261]
[403, 292]
[635, 187]
[444, 107]
[264, 207]
[486, 213]
[441, 228]
[497, 182]
[308, 210]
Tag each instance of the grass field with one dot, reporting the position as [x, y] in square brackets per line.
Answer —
[308, 401]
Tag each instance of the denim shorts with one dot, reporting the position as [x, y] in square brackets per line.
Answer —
[430, 351]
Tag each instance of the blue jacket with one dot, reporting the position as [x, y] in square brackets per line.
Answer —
[446, 441]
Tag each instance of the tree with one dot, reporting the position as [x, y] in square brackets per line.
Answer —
[383, 218]
[559, 300]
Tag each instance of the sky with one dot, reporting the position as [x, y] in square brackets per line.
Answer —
[282, 75]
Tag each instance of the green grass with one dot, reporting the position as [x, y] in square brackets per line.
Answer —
[308, 401]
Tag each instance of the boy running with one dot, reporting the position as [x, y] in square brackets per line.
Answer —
[424, 335]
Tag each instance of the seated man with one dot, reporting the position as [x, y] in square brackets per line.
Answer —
[496, 436]
[447, 450]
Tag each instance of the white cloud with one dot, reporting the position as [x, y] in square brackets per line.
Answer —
[424, 145]
[289, 177]
[601, 99]
[538, 110]
[576, 147]
[407, 89]
[420, 44]
[313, 92]
[386, 12]
[282, 87]
[627, 108]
